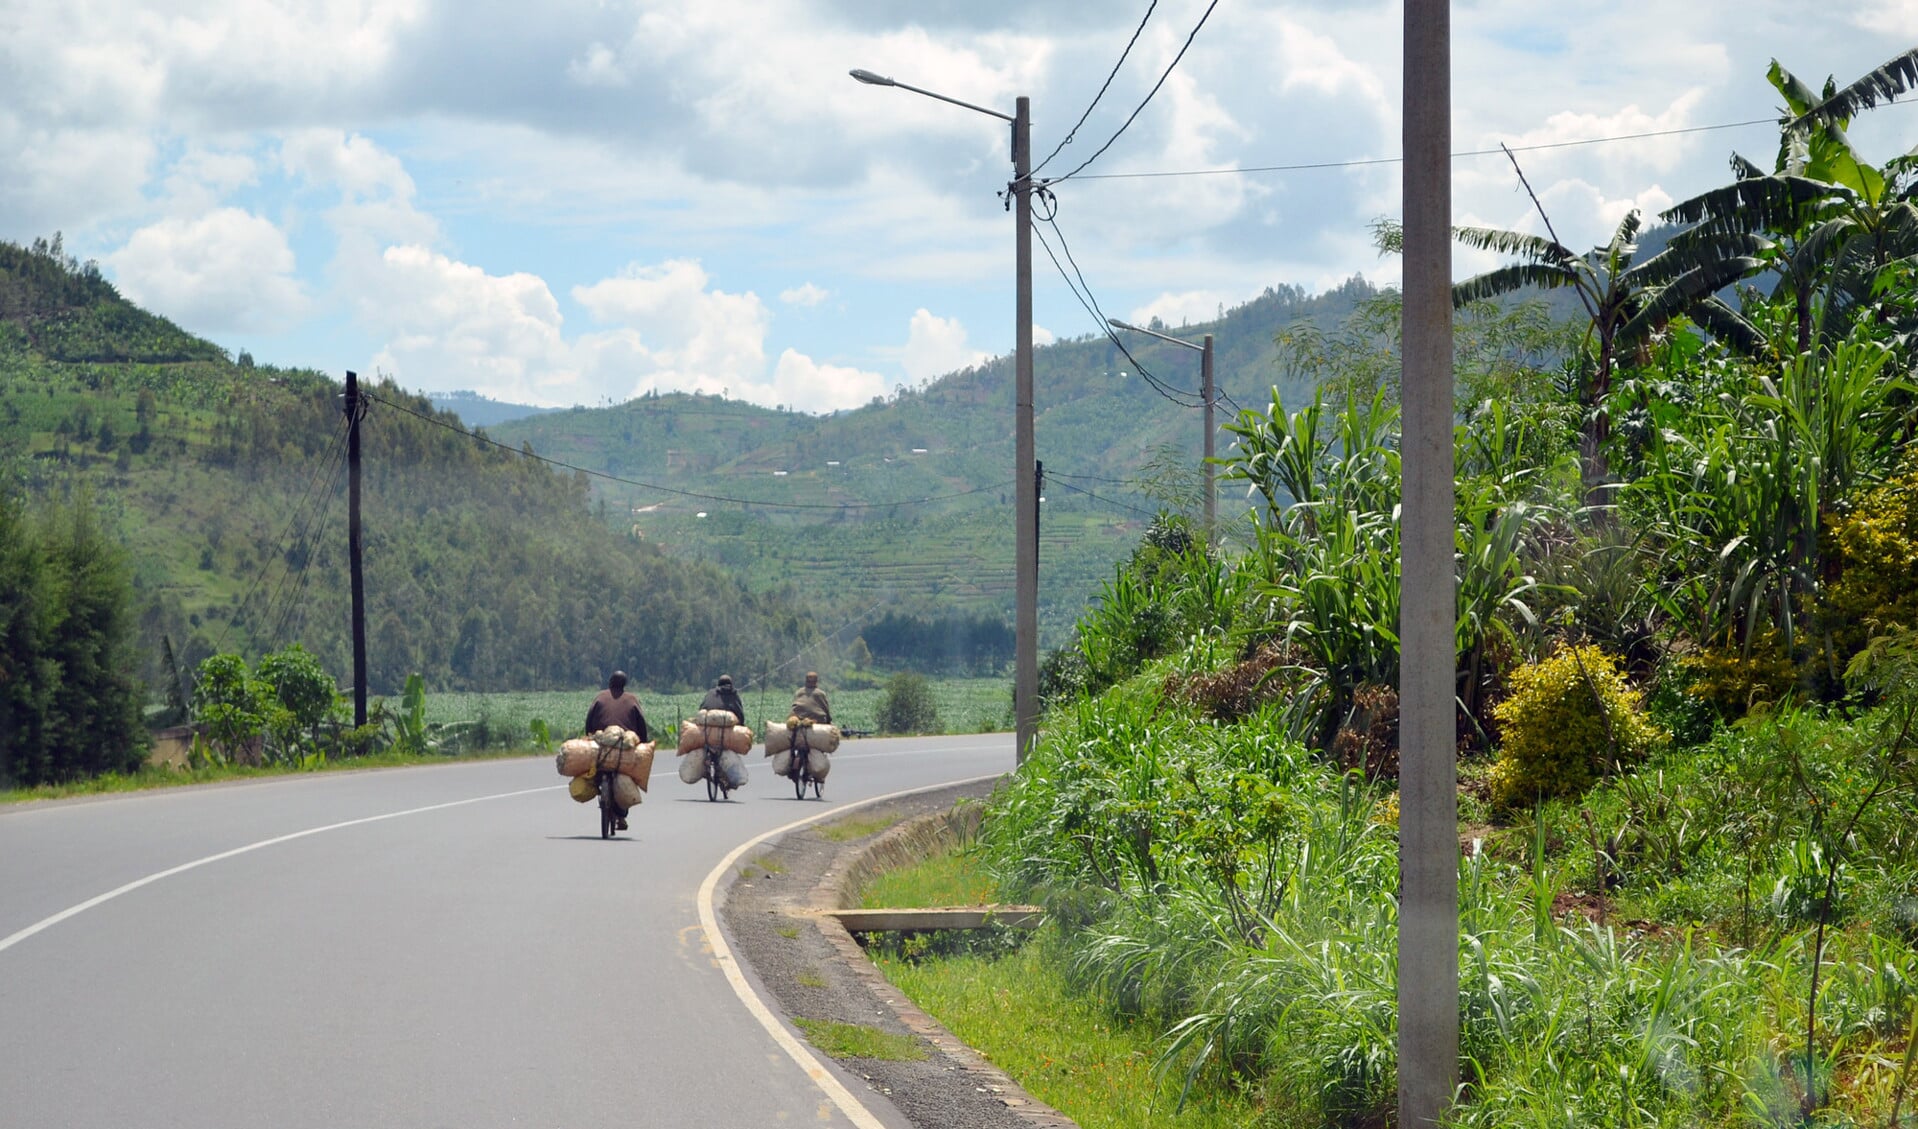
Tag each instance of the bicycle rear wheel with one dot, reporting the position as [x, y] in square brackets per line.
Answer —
[608, 810]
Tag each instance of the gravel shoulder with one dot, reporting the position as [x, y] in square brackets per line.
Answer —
[805, 965]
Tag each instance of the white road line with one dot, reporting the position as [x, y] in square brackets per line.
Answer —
[801, 1055]
[74, 911]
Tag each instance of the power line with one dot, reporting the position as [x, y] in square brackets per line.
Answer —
[298, 603]
[1091, 305]
[1367, 161]
[333, 452]
[1148, 98]
[1102, 89]
[675, 490]
[308, 537]
[1107, 501]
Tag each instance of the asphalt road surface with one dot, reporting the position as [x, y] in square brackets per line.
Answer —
[447, 946]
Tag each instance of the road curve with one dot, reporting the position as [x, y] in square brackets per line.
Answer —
[441, 946]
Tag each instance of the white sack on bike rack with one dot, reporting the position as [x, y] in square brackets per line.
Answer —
[779, 738]
[692, 767]
[818, 763]
[732, 767]
[783, 763]
[626, 792]
[576, 757]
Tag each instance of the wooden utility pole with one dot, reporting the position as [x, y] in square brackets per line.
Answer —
[1428, 610]
[355, 409]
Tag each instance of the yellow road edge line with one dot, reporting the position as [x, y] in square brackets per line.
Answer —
[800, 1053]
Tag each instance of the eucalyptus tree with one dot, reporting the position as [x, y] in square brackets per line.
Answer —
[1627, 301]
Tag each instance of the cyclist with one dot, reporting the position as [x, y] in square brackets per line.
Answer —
[614, 706]
[723, 697]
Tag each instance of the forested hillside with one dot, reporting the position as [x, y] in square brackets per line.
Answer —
[224, 482]
[906, 503]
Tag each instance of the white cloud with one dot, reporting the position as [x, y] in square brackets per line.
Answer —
[67, 178]
[936, 346]
[804, 383]
[806, 295]
[1184, 308]
[225, 271]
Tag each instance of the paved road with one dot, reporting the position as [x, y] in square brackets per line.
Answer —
[454, 947]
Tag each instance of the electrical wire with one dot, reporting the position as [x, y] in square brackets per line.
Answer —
[1367, 161]
[294, 614]
[1102, 89]
[307, 539]
[483, 438]
[1107, 501]
[335, 451]
[1179, 396]
[1148, 98]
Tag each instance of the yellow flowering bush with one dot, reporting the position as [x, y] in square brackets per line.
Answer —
[1569, 719]
[1874, 551]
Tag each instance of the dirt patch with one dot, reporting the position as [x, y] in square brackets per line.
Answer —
[811, 968]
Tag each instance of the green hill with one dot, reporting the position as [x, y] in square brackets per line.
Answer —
[485, 570]
[833, 504]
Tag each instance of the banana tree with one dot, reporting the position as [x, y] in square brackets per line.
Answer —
[1627, 301]
[1837, 221]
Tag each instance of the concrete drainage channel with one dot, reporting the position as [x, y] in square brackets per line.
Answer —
[777, 914]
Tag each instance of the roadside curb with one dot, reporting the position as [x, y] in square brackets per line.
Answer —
[853, 866]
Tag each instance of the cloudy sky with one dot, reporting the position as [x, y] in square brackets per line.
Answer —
[577, 201]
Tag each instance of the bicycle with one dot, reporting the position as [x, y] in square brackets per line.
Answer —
[801, 771]
[608, 807]
[717, 787]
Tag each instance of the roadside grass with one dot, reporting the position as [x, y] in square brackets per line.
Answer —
[955, 878]
[858, 827]
[155, 776]
[789, 932]
[850, 1040]
[810, 978]
[1017, 1011]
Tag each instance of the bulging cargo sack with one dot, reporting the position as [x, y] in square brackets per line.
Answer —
[626, 792]
[690, 737]
[732, 769]
[819, 764]
[614, 737]
[783, 763]
[692, 767]
[780, 737]
[739, 739]
[721, 718]
[583, 789]
[637, 765]
[576, 757]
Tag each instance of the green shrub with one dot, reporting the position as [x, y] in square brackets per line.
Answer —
[908, 706]
[1569, 718]
[1732, 681]
[1874, 550]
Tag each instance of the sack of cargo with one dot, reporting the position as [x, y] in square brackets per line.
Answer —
[739, 739]
[576, 757]
[783, 763]
[626, 792]
[692, 767]
[637, 765]
[609, 737]
[732, 769]
[815, 735]
[818, 763]
[582, 788]
[710, 718]
[690, 737]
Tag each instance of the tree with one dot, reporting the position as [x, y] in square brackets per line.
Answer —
[908, 706]
[1627, 301]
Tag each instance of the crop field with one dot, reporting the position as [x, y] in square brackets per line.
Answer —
[966, 705]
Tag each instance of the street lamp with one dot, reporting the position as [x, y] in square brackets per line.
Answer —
[1025, 487]
[1205, 385]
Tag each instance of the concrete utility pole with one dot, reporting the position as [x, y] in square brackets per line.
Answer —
[1210, 397]
[1025, 512]
[1428, 774]
[1025, 622]
[355, 409]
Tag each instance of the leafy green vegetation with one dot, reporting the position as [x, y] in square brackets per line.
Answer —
[856, 827]
[1700, 914]
[954, 878]
[1021, 1013]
